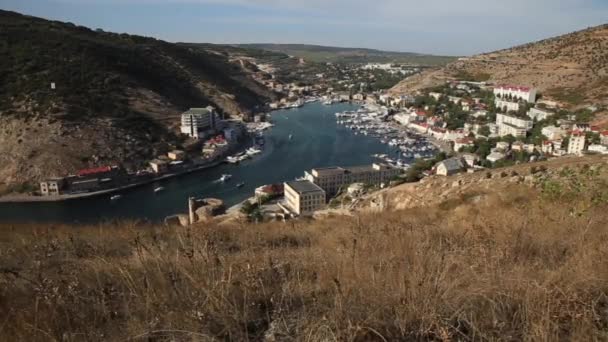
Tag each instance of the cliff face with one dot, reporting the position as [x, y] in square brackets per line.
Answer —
[572, 68]
[115, 97]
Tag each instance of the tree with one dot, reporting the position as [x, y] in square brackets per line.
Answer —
[484, 130]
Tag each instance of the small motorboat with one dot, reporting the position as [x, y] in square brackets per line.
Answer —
[225, 178]
[159, 189]
[240, 185]
[115, 197]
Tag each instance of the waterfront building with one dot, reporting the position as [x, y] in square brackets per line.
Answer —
[516, 93]
[52, 187]
[511, 125]
[197, 121]
[159, 166]
[333, 179]
[576, 144]
[176, 155]
[303, 198]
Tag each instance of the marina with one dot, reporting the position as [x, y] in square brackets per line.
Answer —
[374, 122]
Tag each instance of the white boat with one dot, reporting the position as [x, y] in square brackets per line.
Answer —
[116, 197]
[159, 189]
[253, 151]
[240, 185]
[225, 178]
[232, 160]
[290, 136]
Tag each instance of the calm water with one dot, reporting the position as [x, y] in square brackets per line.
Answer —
[317, 141]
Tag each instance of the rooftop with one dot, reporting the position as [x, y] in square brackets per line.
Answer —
[302, 187]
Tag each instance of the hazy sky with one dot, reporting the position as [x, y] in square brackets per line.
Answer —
[451, 27]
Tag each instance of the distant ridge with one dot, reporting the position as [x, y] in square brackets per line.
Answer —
[320, 53]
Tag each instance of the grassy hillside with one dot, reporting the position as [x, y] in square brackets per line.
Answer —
[122, 89]
[523, 263]
[572, 68]
[317, 53]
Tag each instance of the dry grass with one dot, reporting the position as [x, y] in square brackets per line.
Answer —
[534, 270]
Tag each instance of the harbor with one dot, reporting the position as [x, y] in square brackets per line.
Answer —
[374, 122]
[301, 139]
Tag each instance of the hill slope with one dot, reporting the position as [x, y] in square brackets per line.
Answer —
[520, 264]
[116, 95]
[572, 68]
[318, 53]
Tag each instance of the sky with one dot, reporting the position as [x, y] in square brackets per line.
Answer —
[442, 27]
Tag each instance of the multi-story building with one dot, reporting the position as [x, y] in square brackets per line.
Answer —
[539, 114]
[511, 125]
[197, 121]
[52, 187]
[577, 143]
[507, 106]
[332, 179]
[516, 93]
[303, 198]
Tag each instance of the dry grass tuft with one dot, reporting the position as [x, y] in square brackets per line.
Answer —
[516, 266]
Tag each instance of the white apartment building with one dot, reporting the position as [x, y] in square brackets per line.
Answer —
[303, 198]
[577, 143]
[539, 114]
[332, 179]
[403, 118]
[507, 105]
[510, 125]
[516, 92]
[602, 149]
[196, 121]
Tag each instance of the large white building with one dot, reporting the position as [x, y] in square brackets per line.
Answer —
[332, 179]
[197, 121]
[303, 197]
[516, 93]
[510, 125]
[576, 144]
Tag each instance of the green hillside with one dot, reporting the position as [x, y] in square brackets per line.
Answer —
[351, 55]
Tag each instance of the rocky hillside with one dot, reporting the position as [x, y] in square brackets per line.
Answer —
[466, 189]
[519, 255]
[116, 99]
[572, 68]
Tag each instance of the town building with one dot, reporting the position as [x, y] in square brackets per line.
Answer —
[495, 156]
[507, 106]
[303, 198]
[159, 166]
[604, 138]
[332, 179]
[196, 122]
[516, 92]
[576, 145]
[602, 149]
[511, 125]
[52, 187]
[176, 155]
[552, 132]
[450, 166]
[462, 143]
[540, 114]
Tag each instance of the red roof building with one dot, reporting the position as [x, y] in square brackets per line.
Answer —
[94, 171]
